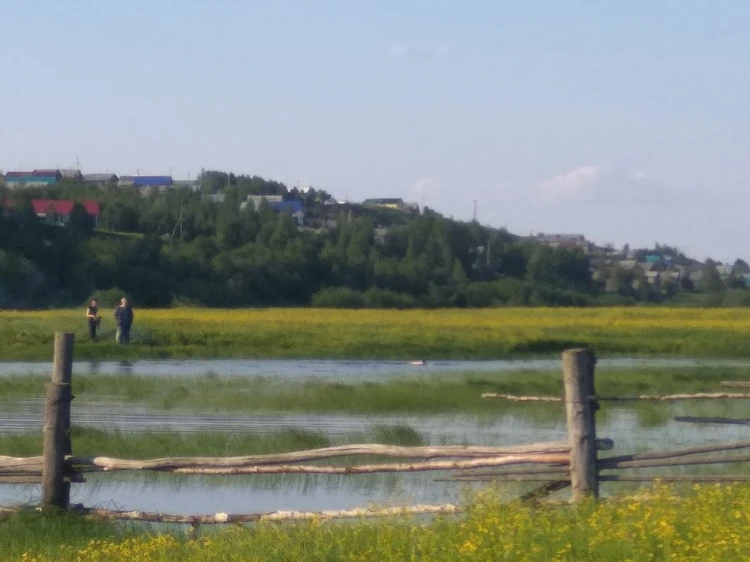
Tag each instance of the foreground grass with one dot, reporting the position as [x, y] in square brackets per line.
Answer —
[700, 524]
[151, 444]
[449, 333]
[458, 393]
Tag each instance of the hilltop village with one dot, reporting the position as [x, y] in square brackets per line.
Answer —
[227, 240]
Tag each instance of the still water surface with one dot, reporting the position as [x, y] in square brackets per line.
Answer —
[631, 428]
[330, 369]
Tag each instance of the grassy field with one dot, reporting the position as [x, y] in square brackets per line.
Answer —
[458, 393]
[702, 524]
[432, 334]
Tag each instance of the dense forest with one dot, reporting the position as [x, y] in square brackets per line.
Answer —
[180, 246]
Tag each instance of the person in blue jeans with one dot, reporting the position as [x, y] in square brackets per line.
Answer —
[124, 317]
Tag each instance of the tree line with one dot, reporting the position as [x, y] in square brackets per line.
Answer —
[181, 247]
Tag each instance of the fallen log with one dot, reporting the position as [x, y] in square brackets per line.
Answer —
[222, 518]
[674, 397]
[172, 463]
[726, 421]
[736, 384]
[516, 398]
[646, 397]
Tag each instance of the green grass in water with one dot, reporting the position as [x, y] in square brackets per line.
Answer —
[458, 393]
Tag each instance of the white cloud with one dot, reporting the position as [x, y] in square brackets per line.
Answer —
[603, 184]
[571, 184]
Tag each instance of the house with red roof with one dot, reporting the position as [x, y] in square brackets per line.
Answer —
[57, 211]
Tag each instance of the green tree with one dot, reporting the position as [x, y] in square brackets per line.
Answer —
[710, 279]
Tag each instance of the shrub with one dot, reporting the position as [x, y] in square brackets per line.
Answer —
[109, 298]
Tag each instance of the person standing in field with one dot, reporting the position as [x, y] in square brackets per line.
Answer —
[93, 317]
[124, 317]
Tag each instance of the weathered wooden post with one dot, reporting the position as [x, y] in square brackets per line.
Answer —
[57, 444]
[580, 407]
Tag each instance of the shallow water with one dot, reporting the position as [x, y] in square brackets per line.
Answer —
[192, 495]
[330, 369]
[632, 428]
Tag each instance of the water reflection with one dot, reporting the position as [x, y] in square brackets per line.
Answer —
[332, 369]
[632, 427]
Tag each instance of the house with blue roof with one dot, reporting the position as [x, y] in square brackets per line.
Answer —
[146, 183]
[277, 205]
[155, 182]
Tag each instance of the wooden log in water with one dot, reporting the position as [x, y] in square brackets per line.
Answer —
[725, 421]
[223, 518]
[676, 397]
[736, 384]
[517, 398]
[644, 397]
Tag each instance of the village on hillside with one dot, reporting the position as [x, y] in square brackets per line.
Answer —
[659, 268]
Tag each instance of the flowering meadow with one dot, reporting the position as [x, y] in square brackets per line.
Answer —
[388, 334]
[702, 524]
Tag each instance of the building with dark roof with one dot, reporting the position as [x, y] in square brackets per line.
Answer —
[35, 178]
[71, 174]
[100, 179]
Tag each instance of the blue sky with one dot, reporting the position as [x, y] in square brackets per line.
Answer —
[626, 122]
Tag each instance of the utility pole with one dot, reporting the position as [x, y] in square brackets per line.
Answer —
[475, 211]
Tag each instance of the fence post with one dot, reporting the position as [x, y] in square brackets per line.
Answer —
[57, 443]
[578, 377]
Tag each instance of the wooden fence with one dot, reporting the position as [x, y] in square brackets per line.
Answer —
[574, 463]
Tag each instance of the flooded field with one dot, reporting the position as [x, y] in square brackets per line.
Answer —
[181, 494]
[633, 428]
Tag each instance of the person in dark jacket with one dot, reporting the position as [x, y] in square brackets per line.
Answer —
[124, 317]
[93, 317]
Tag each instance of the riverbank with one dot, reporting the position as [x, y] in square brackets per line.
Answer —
[387, 334]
